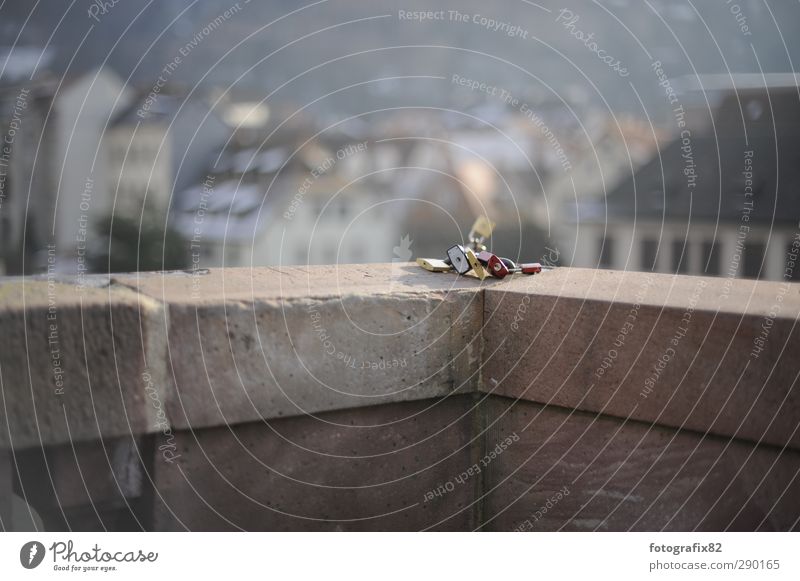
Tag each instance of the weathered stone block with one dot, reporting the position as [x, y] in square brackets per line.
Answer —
[369, 468]
[677, 351]
[578, 471]
[75, 368]
[86, 485]
[299, 342]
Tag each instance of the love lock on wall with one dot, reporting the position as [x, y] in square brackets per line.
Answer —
[476, 260]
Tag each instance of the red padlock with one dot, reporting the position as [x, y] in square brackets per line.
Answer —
[494, 264]
[529, 268]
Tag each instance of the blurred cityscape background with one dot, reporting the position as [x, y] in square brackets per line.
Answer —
[187, 134]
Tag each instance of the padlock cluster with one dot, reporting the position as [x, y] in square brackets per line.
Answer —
[476, 259]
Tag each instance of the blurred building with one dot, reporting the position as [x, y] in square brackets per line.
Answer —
[361, 192]
[139, 158]
[57, 173]
[23, 111]
[292, 197]
[719, 200]
[84, 110]
[87, 147]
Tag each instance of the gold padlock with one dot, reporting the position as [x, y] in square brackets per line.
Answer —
[434, 264]
[482, 228]
[477, 267]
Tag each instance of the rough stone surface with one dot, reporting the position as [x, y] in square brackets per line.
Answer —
[98, 473]
[243, 344]
[244, 361]
[98, 485]
[630, 476]
[559, 339]
[240, 344]
[336, 398]
[296, 282]
[98, 342]
[362, 469]
[247, 344]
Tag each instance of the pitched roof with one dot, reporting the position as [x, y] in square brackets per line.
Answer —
[661, 186]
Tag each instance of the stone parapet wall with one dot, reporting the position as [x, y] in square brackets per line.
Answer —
[366, 397]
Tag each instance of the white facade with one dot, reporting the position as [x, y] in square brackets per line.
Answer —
[139, 166]
[227, 224]
[737, 253]
[350, 227]
[57, 178]
[83, 113]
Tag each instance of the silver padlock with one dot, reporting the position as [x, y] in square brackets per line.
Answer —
[464, 260]
[457, 255]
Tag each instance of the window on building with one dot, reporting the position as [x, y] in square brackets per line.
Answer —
[753, 257]
[606, 245]
[710, 257]
[680, 256]
[649, 254]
